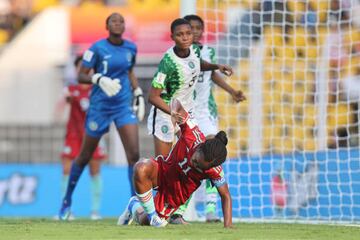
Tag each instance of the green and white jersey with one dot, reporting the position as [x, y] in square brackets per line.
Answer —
[178, 76]
[204, 98]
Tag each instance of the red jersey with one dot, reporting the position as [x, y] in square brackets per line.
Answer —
[75, 129]
[79, 104]
[177, 178]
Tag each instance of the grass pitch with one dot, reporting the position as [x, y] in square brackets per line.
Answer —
[45, 229]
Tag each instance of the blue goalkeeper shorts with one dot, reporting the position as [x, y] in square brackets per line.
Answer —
[97, 122]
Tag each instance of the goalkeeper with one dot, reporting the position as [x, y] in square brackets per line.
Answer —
[115, 97]
[177, 175]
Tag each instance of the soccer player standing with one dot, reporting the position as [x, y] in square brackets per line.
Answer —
[77, 96]
[177, 175]
[205, 106]
[114, 81]
[176, 77]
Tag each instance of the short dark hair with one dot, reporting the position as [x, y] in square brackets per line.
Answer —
[193, 17]
[178, 22]
[108, 18]
[214, 149]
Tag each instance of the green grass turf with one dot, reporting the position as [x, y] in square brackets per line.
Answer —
[45, 229]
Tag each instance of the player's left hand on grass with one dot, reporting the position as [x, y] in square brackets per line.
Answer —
[225, 69]
[139, 103]
[238, 96]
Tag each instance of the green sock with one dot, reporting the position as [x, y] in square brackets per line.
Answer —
[96, 190]
[181, 210]
[64, 182]
[211, 197]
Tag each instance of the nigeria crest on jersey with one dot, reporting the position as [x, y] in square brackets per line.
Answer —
[191, 65]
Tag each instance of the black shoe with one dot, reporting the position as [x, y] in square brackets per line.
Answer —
[177, 219]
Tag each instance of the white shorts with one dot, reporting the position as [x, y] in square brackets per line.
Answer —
[159, 124]
[207, 124]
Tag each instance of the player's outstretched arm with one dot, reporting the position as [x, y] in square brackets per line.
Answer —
[237, 95]
[206, 66]
[226, 204]
[178, 113]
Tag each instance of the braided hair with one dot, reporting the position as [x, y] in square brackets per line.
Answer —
[214, 149]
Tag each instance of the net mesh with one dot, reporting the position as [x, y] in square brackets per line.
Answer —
[294, 144]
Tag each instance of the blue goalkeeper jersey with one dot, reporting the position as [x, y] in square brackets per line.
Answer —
[113, 61]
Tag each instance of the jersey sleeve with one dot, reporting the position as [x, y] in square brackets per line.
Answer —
[164, 71]
[90, 57]
[191, 134]
[216, 176]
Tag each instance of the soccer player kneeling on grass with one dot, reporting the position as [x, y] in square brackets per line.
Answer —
[177, 175]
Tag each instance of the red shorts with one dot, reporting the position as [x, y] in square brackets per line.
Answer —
[72, 148]
[163, 209]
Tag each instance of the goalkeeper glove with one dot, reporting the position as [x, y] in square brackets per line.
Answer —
[110, 86]
[139, 103]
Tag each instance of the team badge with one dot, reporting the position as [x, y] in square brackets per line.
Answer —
[191, 65]
[93, 126]
[164, 129]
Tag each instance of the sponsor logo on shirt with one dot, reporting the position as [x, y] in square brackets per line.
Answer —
[88, 55]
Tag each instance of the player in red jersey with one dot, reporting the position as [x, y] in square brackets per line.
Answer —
[78, 98]
[177, 175]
